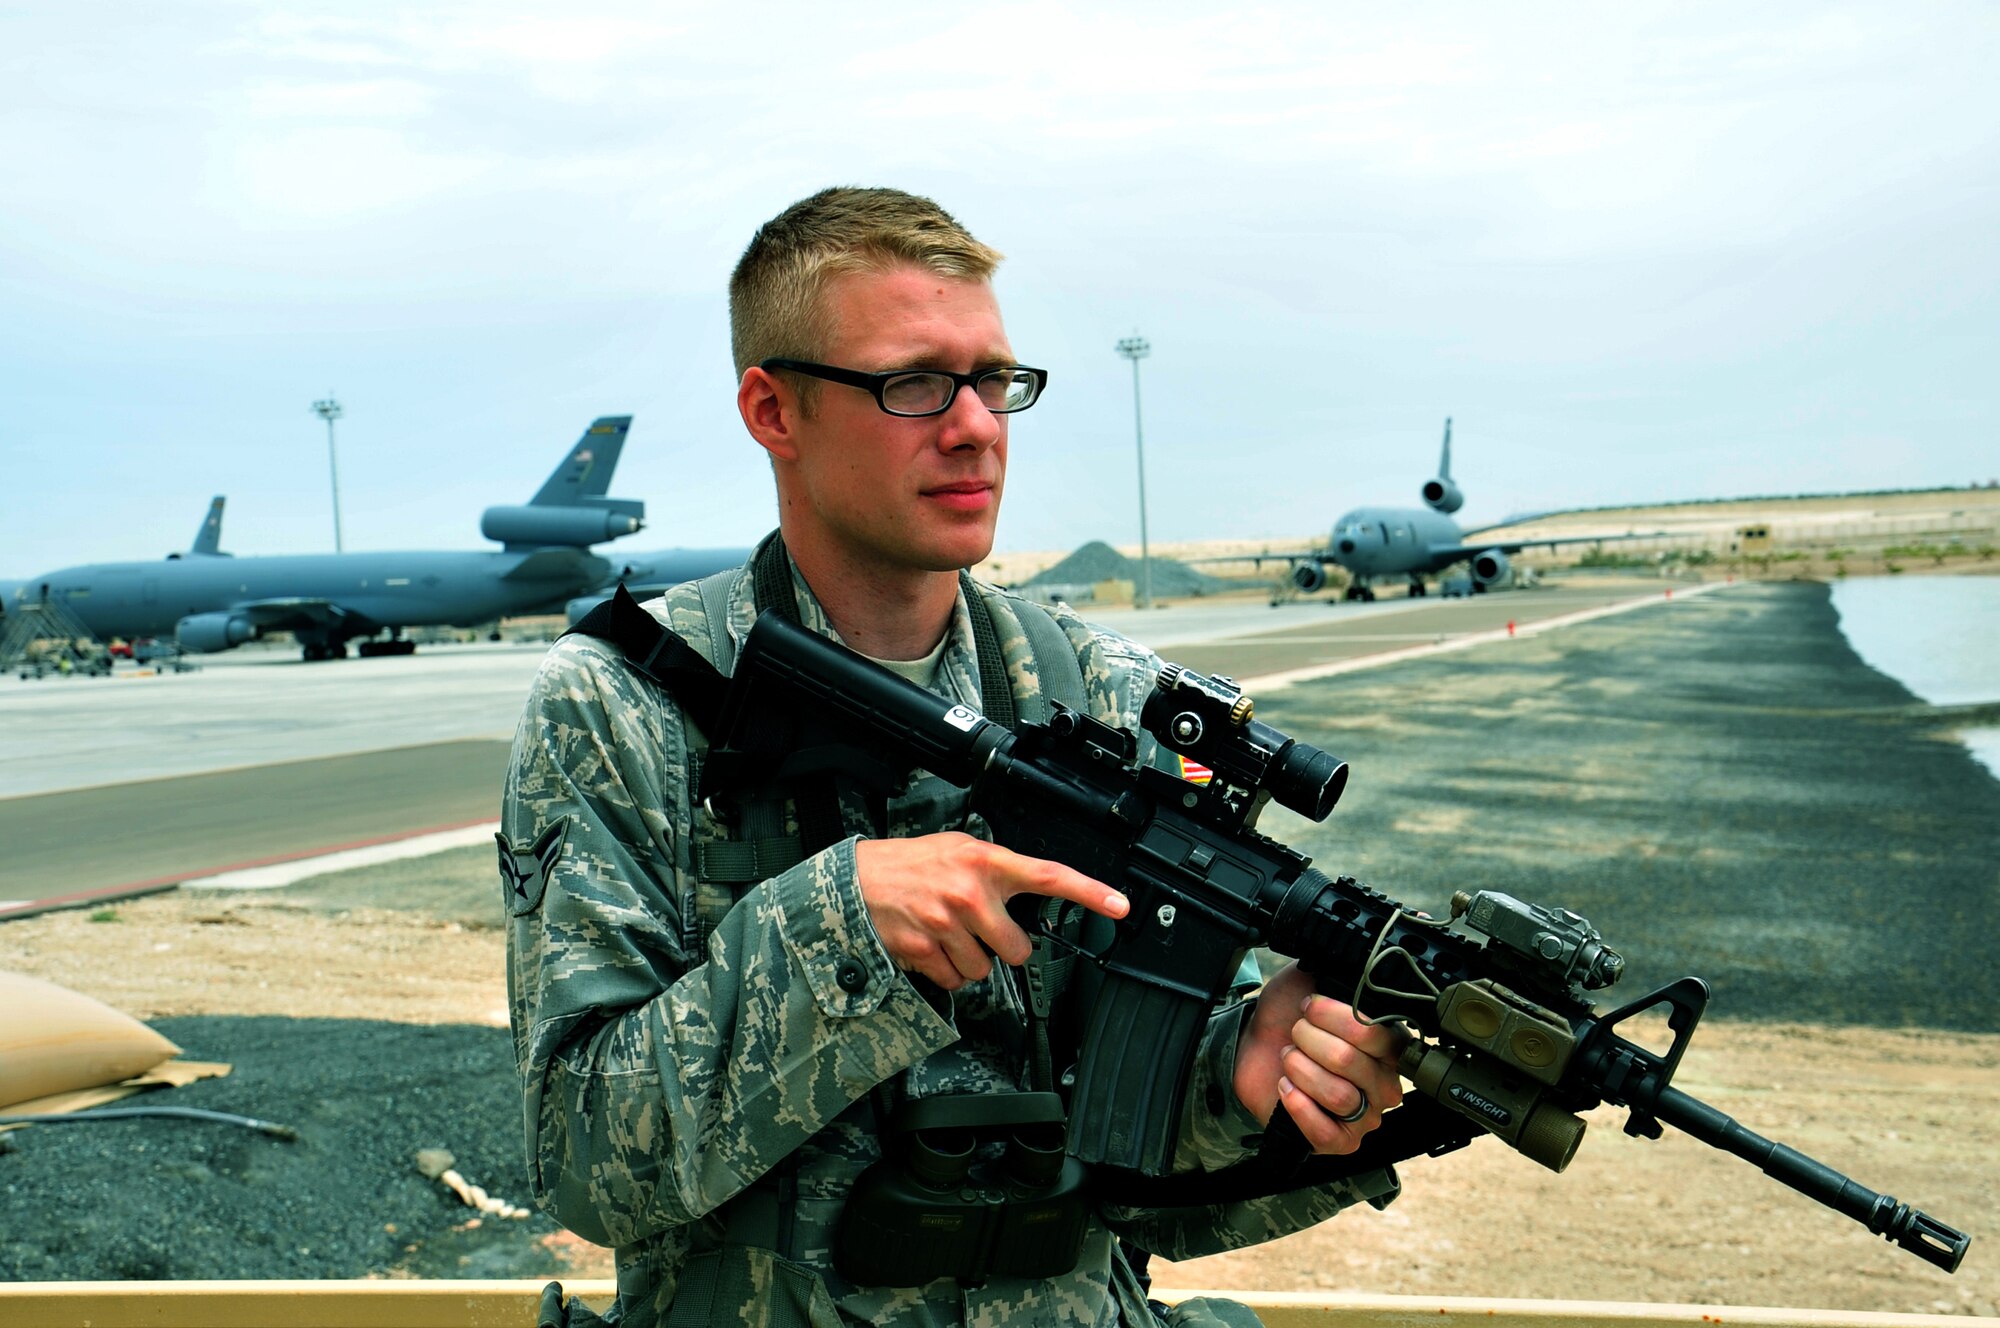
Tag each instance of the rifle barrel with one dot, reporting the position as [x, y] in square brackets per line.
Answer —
[1912, 1228]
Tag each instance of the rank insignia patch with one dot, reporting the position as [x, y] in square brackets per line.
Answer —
[524, 873]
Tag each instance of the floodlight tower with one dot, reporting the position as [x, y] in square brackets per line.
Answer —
[1136, 348]
[329, 410]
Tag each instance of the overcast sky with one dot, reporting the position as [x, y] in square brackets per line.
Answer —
[1641, 252]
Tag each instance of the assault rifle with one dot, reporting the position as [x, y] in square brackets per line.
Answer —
[1507, 1042]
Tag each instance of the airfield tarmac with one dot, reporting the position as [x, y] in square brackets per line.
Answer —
[135, 783]
[1720, 784]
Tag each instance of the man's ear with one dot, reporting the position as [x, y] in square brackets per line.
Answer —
[770, 410]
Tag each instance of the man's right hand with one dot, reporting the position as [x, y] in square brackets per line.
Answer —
[939, 902]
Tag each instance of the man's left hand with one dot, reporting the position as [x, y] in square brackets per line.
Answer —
[1310, 1053]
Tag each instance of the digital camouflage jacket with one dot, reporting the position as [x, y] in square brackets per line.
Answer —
[679, 1040]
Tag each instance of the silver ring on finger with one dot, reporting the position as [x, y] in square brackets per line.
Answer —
[1359, 1111]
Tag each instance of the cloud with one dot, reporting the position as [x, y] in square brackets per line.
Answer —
[337, 100]
[1597, 238]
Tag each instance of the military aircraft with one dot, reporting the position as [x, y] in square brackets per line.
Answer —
[207, 543]
[1414, 542]
[645, 575]
[209, 601]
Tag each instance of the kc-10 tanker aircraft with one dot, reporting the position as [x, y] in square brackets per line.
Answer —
[209, 601]
[1413, 542]
[646, 575]
[207, 543]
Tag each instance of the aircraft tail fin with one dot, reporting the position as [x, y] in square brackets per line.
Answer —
[1444, 462]
[586, 472]
[208, 536]
[571, 510]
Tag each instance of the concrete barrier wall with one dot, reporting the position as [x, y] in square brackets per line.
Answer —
[510, 1304]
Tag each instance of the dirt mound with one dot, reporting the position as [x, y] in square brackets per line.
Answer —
[1098, 561]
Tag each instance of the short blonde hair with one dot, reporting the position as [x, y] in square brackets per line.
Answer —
[775, 295]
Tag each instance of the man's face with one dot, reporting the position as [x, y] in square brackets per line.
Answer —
[887, 491]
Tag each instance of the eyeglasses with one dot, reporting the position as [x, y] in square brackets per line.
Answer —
[917, 392]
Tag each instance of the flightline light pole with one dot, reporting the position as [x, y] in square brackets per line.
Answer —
[329, 410]
[1136, 348]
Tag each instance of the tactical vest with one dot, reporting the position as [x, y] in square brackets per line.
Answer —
[758, 834]
[755, 837]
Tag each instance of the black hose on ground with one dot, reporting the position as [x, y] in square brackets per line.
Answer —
[272, 1128]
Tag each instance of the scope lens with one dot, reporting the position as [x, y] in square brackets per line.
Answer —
[1308, 780]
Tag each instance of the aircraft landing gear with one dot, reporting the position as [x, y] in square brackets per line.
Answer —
[378, 649]
[1358, 591]
[315, 651]
[1417, 589]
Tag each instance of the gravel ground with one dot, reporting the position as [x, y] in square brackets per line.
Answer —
[181, 1199]
[1719, 784]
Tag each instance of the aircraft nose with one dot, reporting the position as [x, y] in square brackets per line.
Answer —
[1347, 546]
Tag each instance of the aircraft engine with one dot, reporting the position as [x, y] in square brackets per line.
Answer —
[1441, 495]
[207, 633]
[1491, 568]
[1308, 576]
[571, 527]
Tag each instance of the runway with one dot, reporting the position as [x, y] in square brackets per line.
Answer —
[1406, 624]
[86, 846]
[131, 785]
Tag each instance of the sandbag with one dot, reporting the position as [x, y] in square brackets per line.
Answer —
[54, 1040]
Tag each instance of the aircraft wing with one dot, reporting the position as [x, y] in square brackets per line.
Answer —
[290, 615]
[561, 564]
[1267, 556]
[1473, 547]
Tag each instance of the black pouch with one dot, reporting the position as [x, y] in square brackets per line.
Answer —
[746, 1284]
[935, 1206]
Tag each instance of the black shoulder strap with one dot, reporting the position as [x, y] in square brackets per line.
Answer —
[816, 801]
[700, 688]
[697, 685]
[996, 694]
[771, 580]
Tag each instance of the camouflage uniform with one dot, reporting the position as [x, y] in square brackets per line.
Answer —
[678, 1040]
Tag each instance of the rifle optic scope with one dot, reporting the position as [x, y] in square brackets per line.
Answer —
[1210, 720]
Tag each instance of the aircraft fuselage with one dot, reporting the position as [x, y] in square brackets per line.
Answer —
[1372, 542]
[649, 574]
[378, 590]
[1416, 542]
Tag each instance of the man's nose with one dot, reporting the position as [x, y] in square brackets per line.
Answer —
[967, 425]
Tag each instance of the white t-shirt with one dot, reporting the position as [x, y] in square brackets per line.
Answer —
[918, 671]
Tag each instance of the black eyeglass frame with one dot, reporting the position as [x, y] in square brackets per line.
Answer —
[876, 384]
